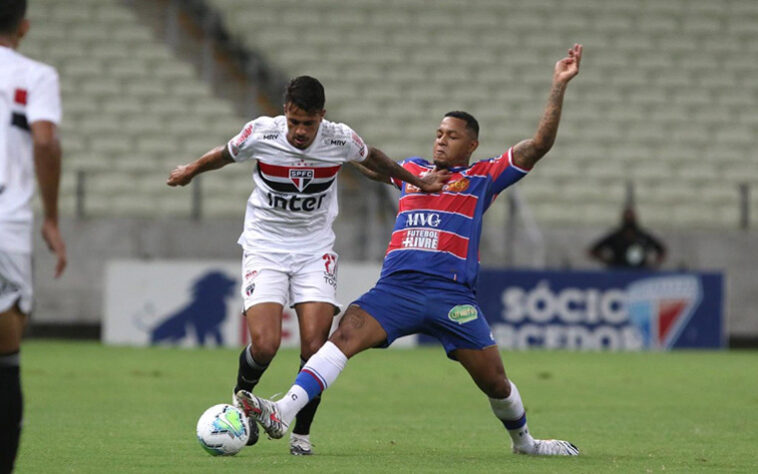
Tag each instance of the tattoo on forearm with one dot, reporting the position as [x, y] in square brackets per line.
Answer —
[531, 150]
[548, 126]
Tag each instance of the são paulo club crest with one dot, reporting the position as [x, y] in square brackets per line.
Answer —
[301, 177]
[660, 307]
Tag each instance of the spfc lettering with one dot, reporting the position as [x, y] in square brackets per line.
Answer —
[300, 177]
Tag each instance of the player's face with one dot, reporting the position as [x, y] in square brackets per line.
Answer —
[302, 126]
[454, 143]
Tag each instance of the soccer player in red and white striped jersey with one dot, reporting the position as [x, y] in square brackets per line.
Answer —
[287, 240]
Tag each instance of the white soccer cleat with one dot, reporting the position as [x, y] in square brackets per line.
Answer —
[300, 445]
[265, 412]
[252, 426]
[549, 447]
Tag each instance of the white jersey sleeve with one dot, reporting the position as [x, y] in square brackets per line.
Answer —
[44, 101]
[357, 149]
[242, 147]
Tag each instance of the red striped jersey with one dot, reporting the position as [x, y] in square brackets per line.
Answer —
[294, 202]
[439, 233]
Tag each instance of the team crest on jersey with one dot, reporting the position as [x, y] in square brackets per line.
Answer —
[661, 307]
[457, 186]
[301, 177]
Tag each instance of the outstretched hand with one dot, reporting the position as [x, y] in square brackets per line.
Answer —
[180, 176]
[568, 67]
[434, 181]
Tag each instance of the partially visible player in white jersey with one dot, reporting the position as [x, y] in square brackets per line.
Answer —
[287, 240]
[30, 110]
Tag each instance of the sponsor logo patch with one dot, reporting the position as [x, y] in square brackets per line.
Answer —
[422, 219]
[330, 269]
[463, 313]
[421, 239]
[359, 143]
[243, 136]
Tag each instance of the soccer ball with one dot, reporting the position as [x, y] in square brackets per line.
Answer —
[222, 430]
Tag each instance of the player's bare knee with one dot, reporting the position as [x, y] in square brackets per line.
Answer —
[495, 386]
[264, 348]
[501, 389]
[340, 338]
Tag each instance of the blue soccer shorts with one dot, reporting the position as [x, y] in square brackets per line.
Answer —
[411, 303]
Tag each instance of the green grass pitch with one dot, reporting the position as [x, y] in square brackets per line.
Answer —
[94, 409]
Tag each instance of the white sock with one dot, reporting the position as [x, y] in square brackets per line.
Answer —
[321, 370]
[511, 412]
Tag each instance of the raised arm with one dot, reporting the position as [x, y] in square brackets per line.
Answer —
[380, 167]
[47, 165]
[212, 160]
[527, 152]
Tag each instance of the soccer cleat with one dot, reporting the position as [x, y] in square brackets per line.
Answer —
[265, 412]
[549, 447]
[251, 424]
[300, 445]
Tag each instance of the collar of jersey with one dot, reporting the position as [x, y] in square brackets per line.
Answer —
[455, 169]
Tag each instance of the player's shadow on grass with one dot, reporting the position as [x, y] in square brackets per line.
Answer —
[203, 315]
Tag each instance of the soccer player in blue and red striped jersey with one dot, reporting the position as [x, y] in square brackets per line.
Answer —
[429, 274]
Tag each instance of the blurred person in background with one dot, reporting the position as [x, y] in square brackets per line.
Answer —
[30, 111]
[629, 245]
[429, 274]
[288, 240]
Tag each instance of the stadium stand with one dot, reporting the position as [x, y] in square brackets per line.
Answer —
[666, 99]
[132, 111]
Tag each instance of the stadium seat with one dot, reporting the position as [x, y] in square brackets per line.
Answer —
[667, 92]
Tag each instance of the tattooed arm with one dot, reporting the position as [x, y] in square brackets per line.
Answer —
[527, 152]
[380, 167]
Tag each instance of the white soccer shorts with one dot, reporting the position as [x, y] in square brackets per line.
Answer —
[16, 281]
[294, 278]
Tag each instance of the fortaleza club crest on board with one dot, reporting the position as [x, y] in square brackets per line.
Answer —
[660, 307]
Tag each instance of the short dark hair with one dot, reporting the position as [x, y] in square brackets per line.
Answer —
[471, 123]
[306, 93]
[11, 14]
